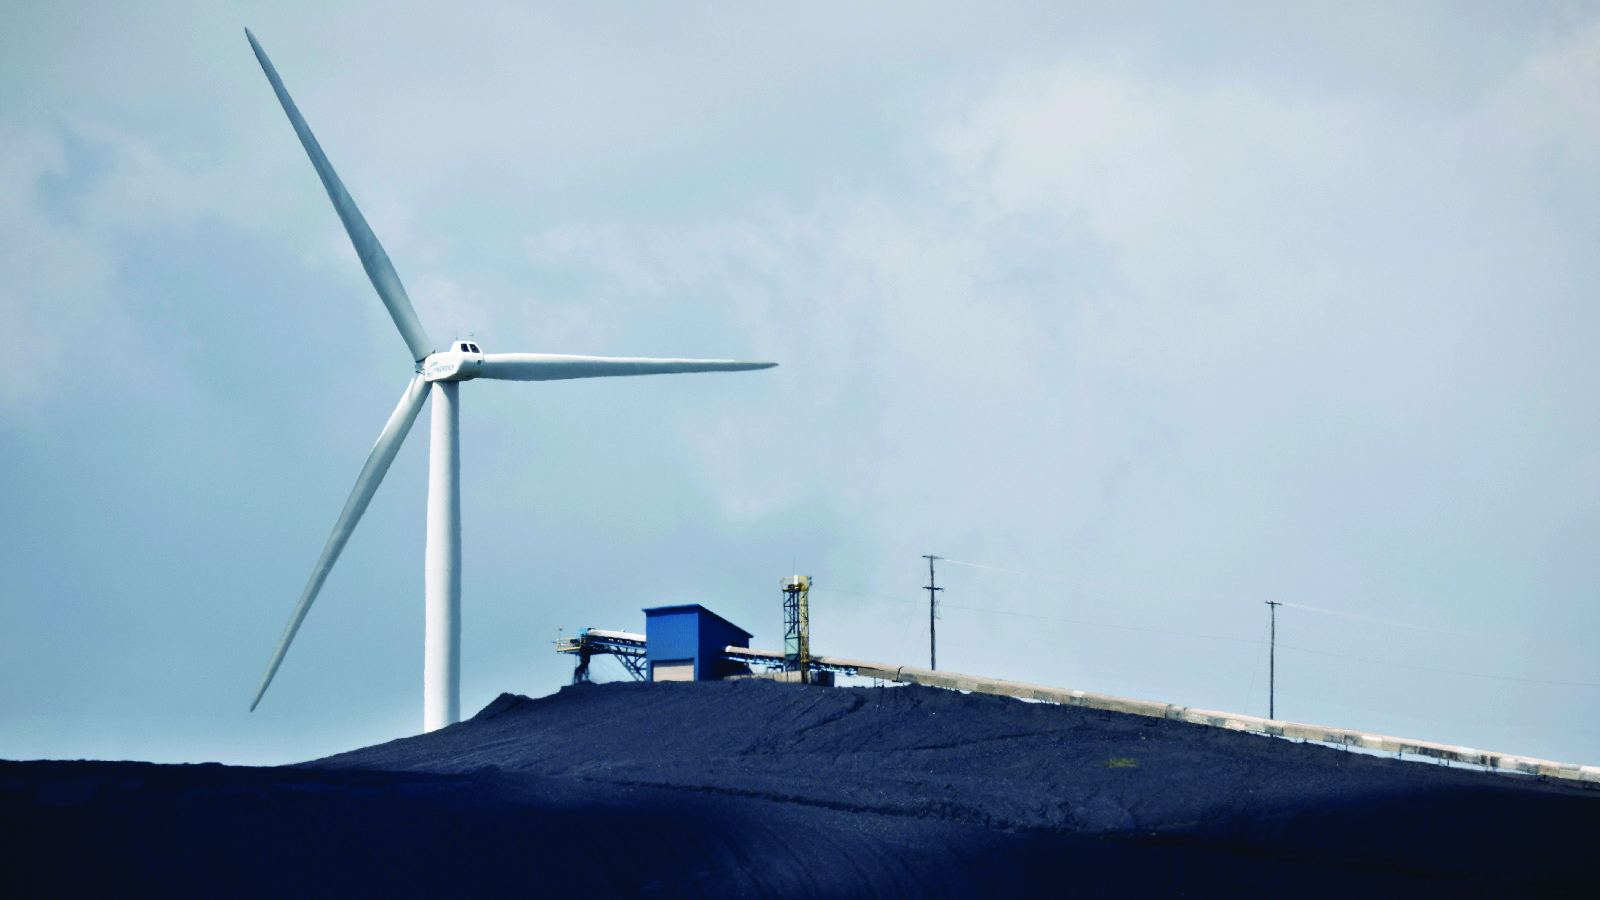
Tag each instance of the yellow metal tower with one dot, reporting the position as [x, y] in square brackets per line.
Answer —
[797, 626]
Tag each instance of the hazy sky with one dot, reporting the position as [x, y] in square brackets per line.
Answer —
[1175, 309]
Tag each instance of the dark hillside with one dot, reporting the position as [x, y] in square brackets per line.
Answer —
[753, 788]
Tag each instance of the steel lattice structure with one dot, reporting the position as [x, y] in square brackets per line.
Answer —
[797, 626]
[627, 648]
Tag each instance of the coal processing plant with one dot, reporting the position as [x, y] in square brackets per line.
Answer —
[718, 769]
[692, 643]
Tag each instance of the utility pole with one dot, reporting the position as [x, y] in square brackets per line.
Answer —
[933, 614]
[1272, 662]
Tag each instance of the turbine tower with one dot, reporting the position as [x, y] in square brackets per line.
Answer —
[437, 375]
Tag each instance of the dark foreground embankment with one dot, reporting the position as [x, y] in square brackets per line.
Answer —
[760, 789]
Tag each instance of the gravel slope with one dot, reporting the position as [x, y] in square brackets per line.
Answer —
[753, 788]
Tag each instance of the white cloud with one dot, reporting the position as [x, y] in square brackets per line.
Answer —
[56, 308]
[1293, 305]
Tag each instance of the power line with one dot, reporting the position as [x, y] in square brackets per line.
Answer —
[1335, 612]
[1205, 596]
[834, 590]
[1379, 662]
[1003, 612]
[1255, 670]
[1006, 612]
[1218, 637]
[1113, 587]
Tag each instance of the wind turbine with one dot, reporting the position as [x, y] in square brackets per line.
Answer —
[439, 375]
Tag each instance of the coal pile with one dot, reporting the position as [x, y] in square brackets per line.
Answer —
[759, 789]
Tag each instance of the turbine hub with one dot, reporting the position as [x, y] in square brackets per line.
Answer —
[462, 362]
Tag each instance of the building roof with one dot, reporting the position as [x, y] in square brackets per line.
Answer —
[659, 610]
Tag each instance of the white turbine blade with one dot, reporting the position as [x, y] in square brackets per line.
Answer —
[554, 367]
[373, 259]
[394, 433]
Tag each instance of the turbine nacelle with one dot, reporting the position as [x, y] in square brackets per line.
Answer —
[462, 362]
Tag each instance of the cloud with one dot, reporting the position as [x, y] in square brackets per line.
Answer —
[56, 306]
[1124, 305]
[1238, 301]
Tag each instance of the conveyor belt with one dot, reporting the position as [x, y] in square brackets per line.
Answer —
[627, 647]
[1232, 721]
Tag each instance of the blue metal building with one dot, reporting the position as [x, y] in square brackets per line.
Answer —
[685, 643]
